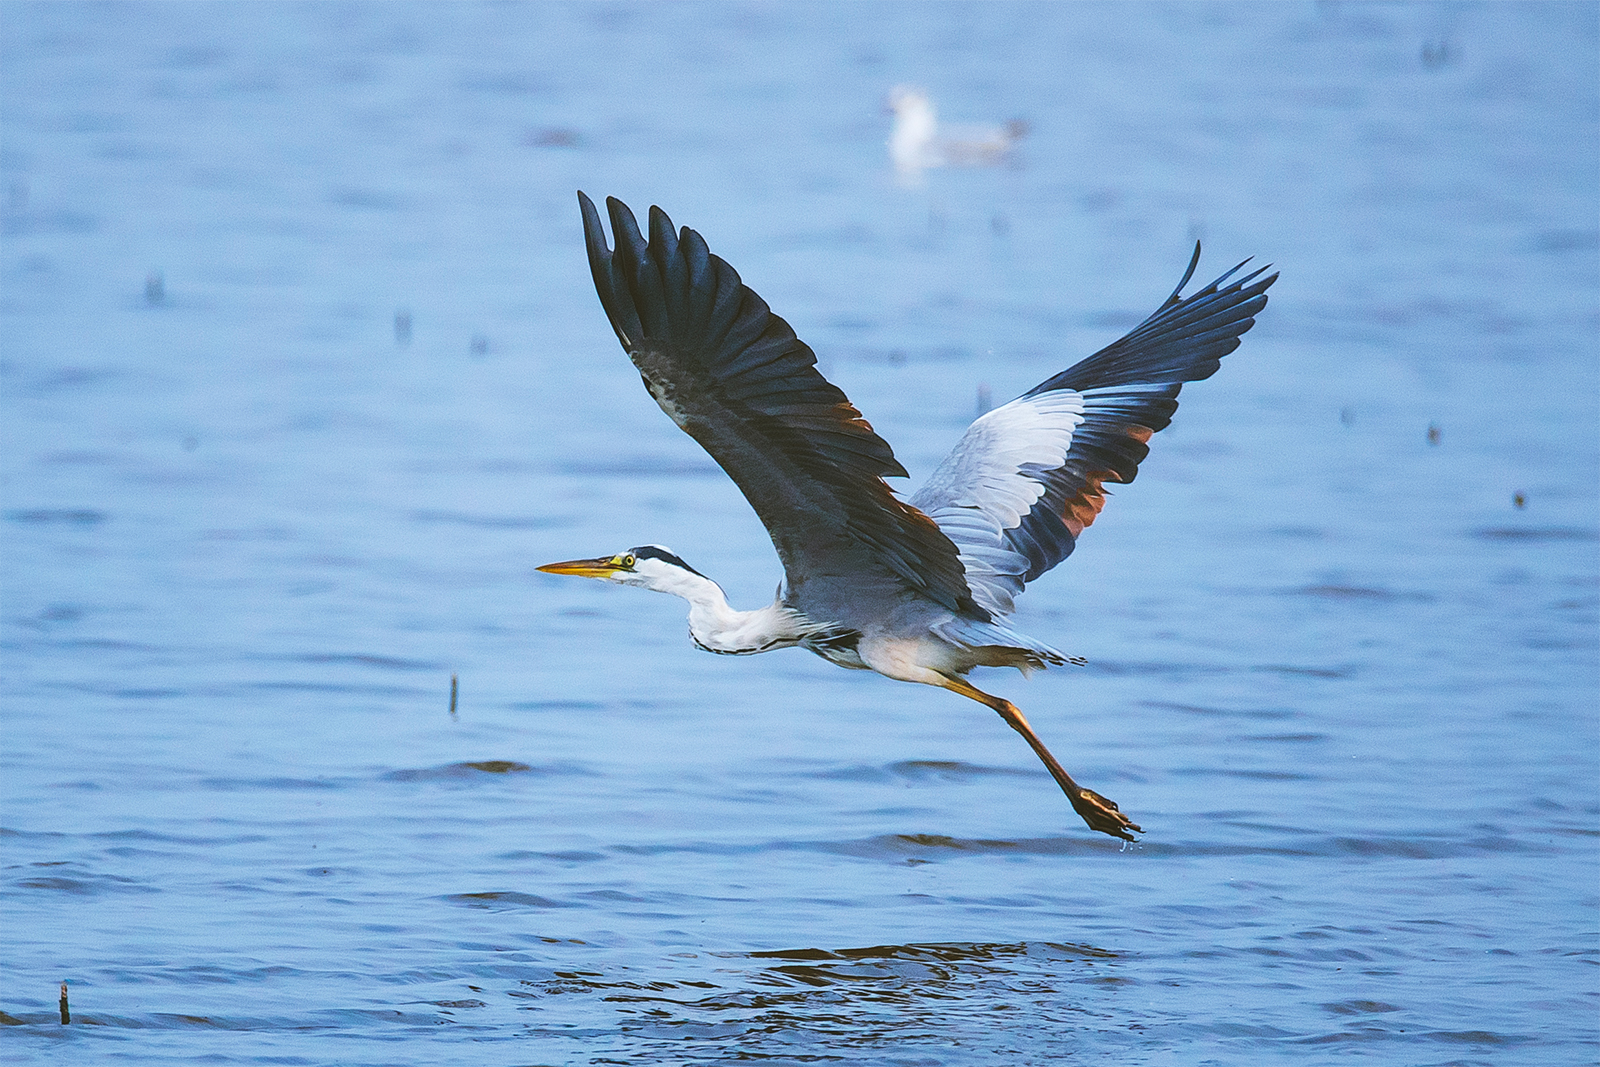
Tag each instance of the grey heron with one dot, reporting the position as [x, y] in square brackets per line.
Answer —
[915, 590]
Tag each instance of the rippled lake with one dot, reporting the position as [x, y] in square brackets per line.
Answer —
[303, 375]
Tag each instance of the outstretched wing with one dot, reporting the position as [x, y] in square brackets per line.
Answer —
[1028, 477]
[736, 378]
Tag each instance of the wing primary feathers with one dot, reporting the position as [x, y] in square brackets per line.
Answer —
[640, 273]
[1058, 455]
[674, 268]
[1194, 261]
[600, 268]
[1182, 342]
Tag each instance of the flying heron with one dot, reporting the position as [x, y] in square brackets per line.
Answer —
[916, 590]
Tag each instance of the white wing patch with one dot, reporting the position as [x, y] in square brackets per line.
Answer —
[989, 482]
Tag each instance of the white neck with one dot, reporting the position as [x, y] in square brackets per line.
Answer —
[717, 627]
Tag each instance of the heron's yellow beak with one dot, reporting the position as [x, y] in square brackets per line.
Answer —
[604, 567]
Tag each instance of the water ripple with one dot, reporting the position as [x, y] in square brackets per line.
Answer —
[478, 769]
[1537, 533]
[58, 516]
[505, 899]
[918, 771]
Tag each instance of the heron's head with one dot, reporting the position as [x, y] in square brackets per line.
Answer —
[649, 566]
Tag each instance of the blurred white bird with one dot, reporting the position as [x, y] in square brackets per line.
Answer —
[918, 143]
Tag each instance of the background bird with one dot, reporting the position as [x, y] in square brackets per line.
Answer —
[917, 591]
[918, 141]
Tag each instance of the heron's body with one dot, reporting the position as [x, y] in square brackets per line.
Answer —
[915, 590]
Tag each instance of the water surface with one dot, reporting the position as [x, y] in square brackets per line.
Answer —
[303, 375]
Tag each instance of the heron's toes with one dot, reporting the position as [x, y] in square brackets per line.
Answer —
[1102, 814]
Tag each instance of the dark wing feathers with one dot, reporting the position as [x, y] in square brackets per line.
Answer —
[1184, 341]
[736, 378]
[1037, 467]
[1130, 390]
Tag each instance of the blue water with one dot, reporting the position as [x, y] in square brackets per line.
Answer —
[303, 375]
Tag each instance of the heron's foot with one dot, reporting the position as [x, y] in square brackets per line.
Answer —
[1103, 815]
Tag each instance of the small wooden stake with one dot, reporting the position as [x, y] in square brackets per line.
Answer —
[452, 696]
[66, 1016]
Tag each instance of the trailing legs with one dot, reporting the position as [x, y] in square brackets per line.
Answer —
[1101, 814]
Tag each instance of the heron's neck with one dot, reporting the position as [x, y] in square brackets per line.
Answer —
[717, 627]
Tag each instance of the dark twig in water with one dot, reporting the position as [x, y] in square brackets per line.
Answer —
[452, 695]
[66, 1016]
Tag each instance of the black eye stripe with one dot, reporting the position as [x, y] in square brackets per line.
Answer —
[657, 552]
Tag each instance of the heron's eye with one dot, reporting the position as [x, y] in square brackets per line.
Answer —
[628, 562]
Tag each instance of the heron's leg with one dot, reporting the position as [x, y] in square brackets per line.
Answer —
[1101, 814]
